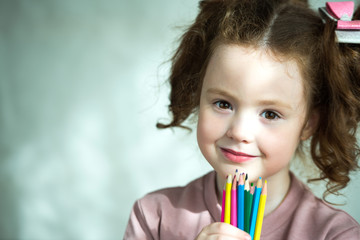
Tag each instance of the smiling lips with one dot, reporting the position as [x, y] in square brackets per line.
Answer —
[237, 157]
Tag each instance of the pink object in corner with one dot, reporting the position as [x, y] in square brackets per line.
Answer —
[343, 25]
[343, 11]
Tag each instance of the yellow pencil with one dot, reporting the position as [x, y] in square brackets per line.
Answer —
[260, 215]
[228, 199]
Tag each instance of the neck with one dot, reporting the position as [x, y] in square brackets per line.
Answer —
[278, 187]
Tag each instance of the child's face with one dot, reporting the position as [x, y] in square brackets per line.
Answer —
[252, 112]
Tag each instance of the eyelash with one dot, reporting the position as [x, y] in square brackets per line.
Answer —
[228, 105]
[275, 115]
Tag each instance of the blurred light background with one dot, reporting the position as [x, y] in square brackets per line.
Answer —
[82, 85]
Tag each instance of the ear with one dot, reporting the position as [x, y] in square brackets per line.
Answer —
[310, 126]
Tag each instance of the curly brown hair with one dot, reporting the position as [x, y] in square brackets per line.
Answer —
[291, 30]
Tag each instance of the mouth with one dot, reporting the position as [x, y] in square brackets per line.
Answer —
[237, 157]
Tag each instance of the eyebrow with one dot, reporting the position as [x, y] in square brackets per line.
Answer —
[220, 92]
[264, 102]
[274, 103]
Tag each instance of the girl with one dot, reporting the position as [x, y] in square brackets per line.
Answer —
[262, 76]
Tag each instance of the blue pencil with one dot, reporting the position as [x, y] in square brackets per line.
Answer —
[255, 207]
[240, 210]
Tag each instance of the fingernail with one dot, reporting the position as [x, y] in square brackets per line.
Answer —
[247, 238]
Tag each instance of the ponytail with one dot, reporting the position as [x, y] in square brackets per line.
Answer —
[334, 147]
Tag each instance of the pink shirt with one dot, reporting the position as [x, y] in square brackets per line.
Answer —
[182, 212]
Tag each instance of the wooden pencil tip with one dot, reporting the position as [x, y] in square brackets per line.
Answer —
[252, 189]
[264, 189]
[241, 179]
[229, 178]
[259, 183]
[234, 183]
[237, 175]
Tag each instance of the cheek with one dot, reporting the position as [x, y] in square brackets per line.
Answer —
[280, 147]
[209, 129]
[203, 133]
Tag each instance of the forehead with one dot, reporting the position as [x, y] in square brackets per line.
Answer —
[233, 52]
[248, 71]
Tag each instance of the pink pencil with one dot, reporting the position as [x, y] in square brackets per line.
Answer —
[233, 216]
[223, 203]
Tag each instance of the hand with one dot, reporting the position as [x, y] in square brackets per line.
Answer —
[222, 231]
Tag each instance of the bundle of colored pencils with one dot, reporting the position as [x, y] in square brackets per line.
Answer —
[243, 204]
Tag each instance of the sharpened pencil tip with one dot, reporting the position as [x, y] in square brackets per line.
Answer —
[234, 183]
[229, 178]
[264, 189]
[259, 183]
[241, 179]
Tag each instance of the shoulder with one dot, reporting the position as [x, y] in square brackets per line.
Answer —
[327, 221]
[163, 214]
[302, 215]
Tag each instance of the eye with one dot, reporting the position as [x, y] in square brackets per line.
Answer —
[270, 115]
[223, 105]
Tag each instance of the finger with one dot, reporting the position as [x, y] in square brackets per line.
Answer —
[224, 230]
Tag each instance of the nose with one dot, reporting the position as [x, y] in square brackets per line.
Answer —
[242, 129]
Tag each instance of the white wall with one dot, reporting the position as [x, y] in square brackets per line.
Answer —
[82, 85]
